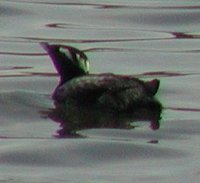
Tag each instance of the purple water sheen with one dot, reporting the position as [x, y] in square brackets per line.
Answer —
[149, 39]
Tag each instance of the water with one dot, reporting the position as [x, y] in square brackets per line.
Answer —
[151, 39]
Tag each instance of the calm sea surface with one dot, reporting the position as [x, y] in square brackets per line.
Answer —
[150, 39]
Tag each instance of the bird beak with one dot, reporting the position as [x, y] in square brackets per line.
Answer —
[45, 46]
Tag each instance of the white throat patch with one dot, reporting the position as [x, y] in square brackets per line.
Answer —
[83, 64]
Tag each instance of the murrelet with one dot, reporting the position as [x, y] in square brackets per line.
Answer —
[107, 91]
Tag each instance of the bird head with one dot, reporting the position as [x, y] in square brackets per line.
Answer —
[68, 61]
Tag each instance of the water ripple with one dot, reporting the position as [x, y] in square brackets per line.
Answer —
[124, 5]
[183, 109]
[183, 35]
[22, 54]
[6, 11]
[22, 73]
[167, 74]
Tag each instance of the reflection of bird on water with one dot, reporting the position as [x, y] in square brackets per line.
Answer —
[74, 118]
[86, 100]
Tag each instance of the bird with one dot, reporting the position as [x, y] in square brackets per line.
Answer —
[105, 91]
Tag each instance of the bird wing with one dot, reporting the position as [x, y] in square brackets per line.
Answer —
[100, 87]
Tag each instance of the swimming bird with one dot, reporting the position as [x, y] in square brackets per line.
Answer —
[106, 91]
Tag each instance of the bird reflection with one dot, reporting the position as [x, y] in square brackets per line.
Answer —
[74, 118]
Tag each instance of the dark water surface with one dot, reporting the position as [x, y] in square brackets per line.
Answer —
[151, 39]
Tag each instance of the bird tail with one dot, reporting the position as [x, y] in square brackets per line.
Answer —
[152, 86]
